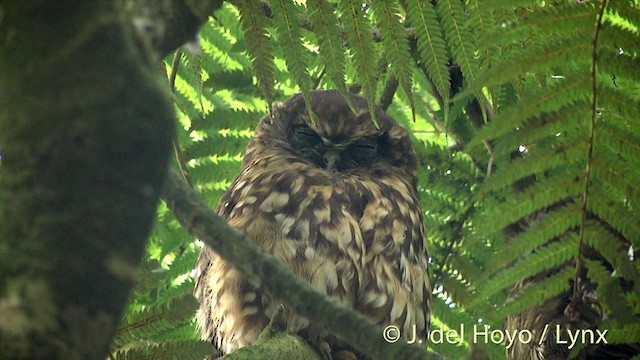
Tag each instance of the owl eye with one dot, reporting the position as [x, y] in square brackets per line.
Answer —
[303, 136]
[364, 149]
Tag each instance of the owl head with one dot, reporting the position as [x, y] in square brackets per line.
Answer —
[339, 141]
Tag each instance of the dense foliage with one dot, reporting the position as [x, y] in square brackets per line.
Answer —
[525, 119]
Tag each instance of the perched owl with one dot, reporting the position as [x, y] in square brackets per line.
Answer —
[335, 200]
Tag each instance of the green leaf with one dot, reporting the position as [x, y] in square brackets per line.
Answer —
[286, 20]
[396, 46]
[359, 37]
[330, 42]
[431, 45]
[259, 45]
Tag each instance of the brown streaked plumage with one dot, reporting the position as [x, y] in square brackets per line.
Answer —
[336, 201]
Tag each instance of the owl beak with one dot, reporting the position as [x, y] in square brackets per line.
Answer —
[331, 158]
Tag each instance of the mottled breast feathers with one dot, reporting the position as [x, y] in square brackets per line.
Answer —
[336, 201]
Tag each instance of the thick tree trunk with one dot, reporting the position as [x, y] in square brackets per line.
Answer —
[85, 139]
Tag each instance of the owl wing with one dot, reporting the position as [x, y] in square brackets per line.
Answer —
[396, 288]
[231, 312]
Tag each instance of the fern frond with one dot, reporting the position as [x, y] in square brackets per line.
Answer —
[201, 149]
[183, 264]
[169, 350]
[573, 51]
[431, 46]
[612, 62]
[396, 46]
[614, 214]
[617, 174]
[259, 45]
[565, 92]
[150, 275]
[482, 22]
[537, 292]
[330, 43]
[620, 141]
[620, 105]
[613, 250]
[609, 291]
[621, 334]
[155, 319]
[481, 18]
[622, 39]
[451, 352]
[545, 127]
[547, 257]
[508, 4]
[542, 160]
[216, 43]
[627, 10]
[557, 23]
[459, 37]
[285, 16]
[358, 31]
[552, 225]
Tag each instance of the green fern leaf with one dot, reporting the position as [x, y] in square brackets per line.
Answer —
[396, 46]
[619, 105]
[183, 264]
[481, 18]
[150, 275]
[507, 4]
[575, 51]
[617, 334]
[537, 292]
[482, 22]
[169, 350]
[614, 37]
[558, 23]
[551, 225]
[330, 44]
[549, 99]
[609, 292]
[628, 10]
[358, 31]
[459, 37]
[620, 65]
[613, 250]
[614, 214]
[617, 174]
[155, 319]
[430, 45]
[259, 45]
[543, 129]
[573, 147]
[285, 14]
[620, 141]
[451, 352]
[544, 258]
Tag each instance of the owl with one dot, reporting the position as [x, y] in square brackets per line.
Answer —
[335, 200]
